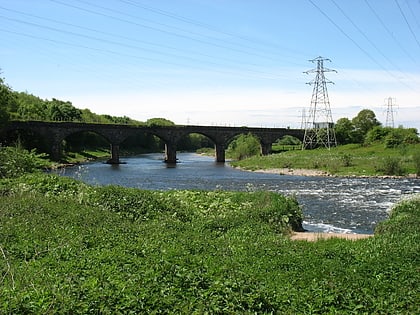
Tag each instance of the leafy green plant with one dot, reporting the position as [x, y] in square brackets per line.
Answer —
[16, 161]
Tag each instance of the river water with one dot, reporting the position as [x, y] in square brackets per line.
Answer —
[330, 204]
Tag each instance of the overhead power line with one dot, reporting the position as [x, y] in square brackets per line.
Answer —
[408, 24]
[140, 48]
[184, 19]
[365, 36]
[391, 34]
[171, 33]
[359, 46]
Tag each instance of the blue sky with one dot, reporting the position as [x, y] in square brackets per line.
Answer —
[215, 62]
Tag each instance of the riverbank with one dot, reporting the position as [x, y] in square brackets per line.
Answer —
[344, 161]
[313, 172]
[290, 171]
[313, 236]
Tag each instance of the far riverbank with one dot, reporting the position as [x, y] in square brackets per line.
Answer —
[313, 172]
[343, 161]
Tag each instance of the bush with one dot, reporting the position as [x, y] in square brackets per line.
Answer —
[377, 134]
[391, 165]
[346, 159]
[16, 161]
[404, 219]
[400, 136]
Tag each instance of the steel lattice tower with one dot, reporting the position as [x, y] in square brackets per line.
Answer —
[319, 126]
[390, 113]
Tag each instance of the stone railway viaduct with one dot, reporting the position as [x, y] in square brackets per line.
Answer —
[55, 132]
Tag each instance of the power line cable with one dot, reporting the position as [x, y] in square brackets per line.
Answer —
[358, 46]
[408, 24]
[120, 36]
[242, 73]
[158, 29]
[368, 39]
[412, 13]
[208, 26]
[390, 33]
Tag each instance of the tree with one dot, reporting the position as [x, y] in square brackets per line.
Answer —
[159, 122]
[7, 102]
[244, 146]
[288, 140]
[63, 111]
[344, 131]
[363, 122]
[30, 107]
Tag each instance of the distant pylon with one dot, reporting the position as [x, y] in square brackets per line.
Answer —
[319, 126]
[390, 112]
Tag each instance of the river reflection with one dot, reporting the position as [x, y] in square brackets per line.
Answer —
[344, 205]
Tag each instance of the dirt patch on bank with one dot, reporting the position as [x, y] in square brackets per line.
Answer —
[294, 171]
[313, 237]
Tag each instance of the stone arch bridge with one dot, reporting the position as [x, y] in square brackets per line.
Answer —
[56, 132]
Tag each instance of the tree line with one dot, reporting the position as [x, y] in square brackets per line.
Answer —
[363, 128]
[25, 106]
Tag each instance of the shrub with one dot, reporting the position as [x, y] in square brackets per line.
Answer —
[16, 161]
[377, 134]
[400, 136]
[346, 159]
[403, 219]
[391, 165]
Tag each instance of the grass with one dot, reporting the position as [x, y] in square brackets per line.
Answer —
[85, 155]
[67, 247]
[350, 159]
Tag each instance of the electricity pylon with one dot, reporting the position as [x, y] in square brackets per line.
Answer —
[390, 113]
[319, 126]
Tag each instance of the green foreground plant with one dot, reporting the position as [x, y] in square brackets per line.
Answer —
[67, 247]
[16, 161]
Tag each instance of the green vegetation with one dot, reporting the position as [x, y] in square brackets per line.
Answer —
[244, 146]
[16, 161]
[67, 247]
[355, 130]
[351, 159]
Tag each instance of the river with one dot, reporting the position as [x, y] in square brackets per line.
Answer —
[330, 204]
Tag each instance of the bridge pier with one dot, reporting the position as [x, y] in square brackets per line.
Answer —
[170, 153]
[115, 154]
[266, 148]
[56, 151]
[220, 153]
